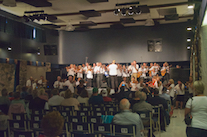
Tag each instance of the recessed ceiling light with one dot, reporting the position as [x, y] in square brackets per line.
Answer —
[189, 28]
[190, 6]
[9, 48]
[188, 40]
[188, 47]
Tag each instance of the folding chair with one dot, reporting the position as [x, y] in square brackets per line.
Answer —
[93, 119]
[17, 124]
[146, 117]
[101, 128]
[36, 117]
[156, 118]
[18, 133]
[83, 113]
[19, 116]
[98, 113]
[75, 134]
[55, 108]
[111, 109]
[66, 114]
[76, 119]
[82, 104]
[126, 130]
[35, 125]
[81, 127]
[68, 108]
[85, 108]
[4, 133]
[37, 112]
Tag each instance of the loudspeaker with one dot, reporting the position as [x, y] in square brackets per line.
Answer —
[52, 77]
[50, 50]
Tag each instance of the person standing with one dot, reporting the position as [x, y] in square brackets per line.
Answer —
[58, 84]
[180, 88]
[97, 71]
[29, 82]
[113, 75]
[134, 67]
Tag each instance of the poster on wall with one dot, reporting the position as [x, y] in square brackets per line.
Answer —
[154, 45]
[48, 66]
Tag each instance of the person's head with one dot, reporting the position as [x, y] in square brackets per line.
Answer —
[124, 67]
[84, 93]
[87, 64]
[179, 82]
[29, 90]
[89, 67]
[142, 96]
[164, 90]
[35, 93]
[95, 91]
[4, 92]
[55, 92]
[71, 65]
[124, 104]
[31, 78]
[133, 78]
[141, 80]
[137, 94]
[41, 77]
[155, 64]
[198, 87]
[17, 95]
[52, 124]
[70, 78]
[142, 66]
[191, 79]
[18, 88]
[68, 94]
[151, 64]
[134, 62]
[104, 93]
[113, 62]
[41, 91]
[171, 81]
[58, 78]
[79, 67]
[124, 79]
[81, 82]
[83, 65]
[94, 64]
[156, 92]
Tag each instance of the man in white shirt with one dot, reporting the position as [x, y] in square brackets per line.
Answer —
[58, 84]
[97, 71]
[55, 100]
[180, 89]
[143, 71]
[119, 74]
[29, 82]
[134, 67]
[70, 84]
[113, 75]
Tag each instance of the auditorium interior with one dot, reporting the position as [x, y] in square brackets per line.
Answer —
[40, 39]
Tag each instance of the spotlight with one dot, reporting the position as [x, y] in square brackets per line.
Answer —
[138, 10]
[38, 53]
[123, 12]
[9, 48]
[131, 10]
[188, 47]
[116, 12]
[188, 40]
[189, 28]
[190, 6]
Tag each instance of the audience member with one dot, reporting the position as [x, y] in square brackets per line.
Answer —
[70, 84]
[43, 94]
[4, 99]
[197, 107]
[19, 88]
[24, 93]
[18, 100]
[135, 100]
[38, 103]
[95, 99]
[69, 100]
[165, 95]
[55, 99]
[142, 105]
[52, 124]
[105, 96]
[126, 117]
[80, 87]
[83, 97]
[3, 122]
[11, 96]
[180, 88]
[171, 90]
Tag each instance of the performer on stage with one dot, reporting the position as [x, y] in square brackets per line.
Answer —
[29, 82]
[97, 71]
[125, 73]
[89, 75]
[42, 82]
[79, 72]
[134, 67]
[119, 73]
[142, 71]
[113, 75]
[71, 71]
[58, 84]
[70, 83]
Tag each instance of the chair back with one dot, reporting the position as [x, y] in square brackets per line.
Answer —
[102, 128]
[17, 124]
[18, 133]
[76, 119]
[93, 119]
[55, 108]
[36, 117]
[98, 113]
[19, 116]
[85, 108]
[81, 127]
[35, 125]
[127, 130]
[83, 113]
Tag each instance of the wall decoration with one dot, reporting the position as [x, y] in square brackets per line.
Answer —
[154, 45]
[48, 66]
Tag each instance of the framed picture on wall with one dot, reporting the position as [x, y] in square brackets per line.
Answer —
[154, 45]
[151, 45]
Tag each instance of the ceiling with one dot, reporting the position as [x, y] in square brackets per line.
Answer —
[68, 15]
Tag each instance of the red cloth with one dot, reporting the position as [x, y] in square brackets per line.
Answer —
[107, 99]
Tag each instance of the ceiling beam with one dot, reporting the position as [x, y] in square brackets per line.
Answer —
[114, 22]
[111, 10]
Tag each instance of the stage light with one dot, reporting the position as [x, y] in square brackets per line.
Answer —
[116, 12]
[189, 28]
[188, 47]
[123, 12]
[131, 10]
[188, 40]
[9, 48]
[138, 10]
[38, 53]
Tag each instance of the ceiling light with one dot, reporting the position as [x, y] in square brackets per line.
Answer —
[188, 39]
[138, 10]
[149, 22]
[132, 10]
[123, 12]
[38, 53]
[191, 6]
[189, 28]
[9, 48]
[116, 11]
[188, 47]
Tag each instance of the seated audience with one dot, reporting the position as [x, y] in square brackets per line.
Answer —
[18, 100]
[142, 105]
[105, 96]
[180, 88]
[38, 103]
[24, 93]
[83, 97]
[126, 117]
[52, 124]
[19, 88]
[156, 100]
[197, 107]
[95, 99]
[80, 87]
[43, 94]
[55, 99]
[4, 101]
[3, 122]
[69, 100]
[165, 95]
